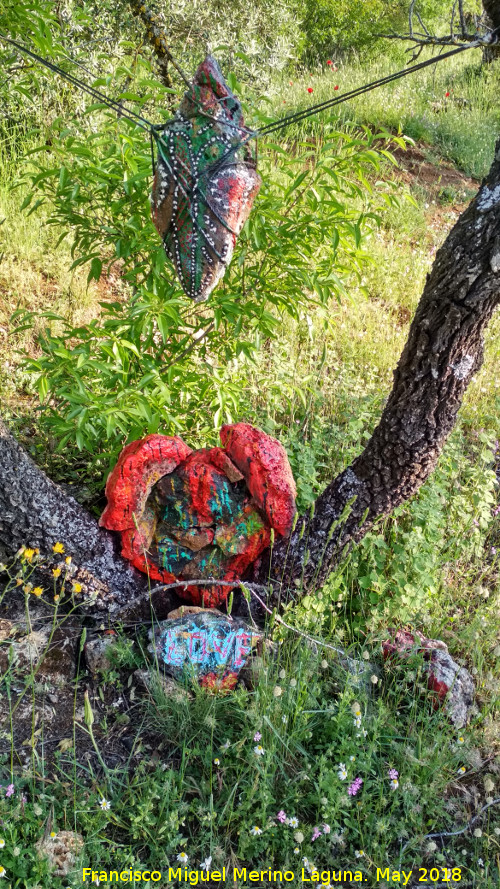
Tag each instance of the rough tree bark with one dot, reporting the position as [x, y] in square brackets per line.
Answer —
[36, 512]
[443, 351]
[491, 19]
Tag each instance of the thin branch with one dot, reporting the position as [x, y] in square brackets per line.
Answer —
[158, 41]
[489, 36]
[454, 833]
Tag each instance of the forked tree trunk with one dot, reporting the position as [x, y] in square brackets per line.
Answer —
[443, 351]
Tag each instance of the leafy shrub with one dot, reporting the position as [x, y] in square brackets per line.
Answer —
[334, 26]
[158, 362]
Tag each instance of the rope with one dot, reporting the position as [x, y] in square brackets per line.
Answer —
[154, 130]
[273, 127]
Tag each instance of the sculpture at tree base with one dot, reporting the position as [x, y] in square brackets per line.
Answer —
[452, 684]
[186, 515]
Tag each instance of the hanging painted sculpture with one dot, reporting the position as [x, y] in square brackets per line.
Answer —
[187, 515]
[205, 181]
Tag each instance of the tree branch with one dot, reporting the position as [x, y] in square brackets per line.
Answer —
[158, 41]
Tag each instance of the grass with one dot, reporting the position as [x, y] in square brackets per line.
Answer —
[461, 127]
[319, 387]
[256, 779]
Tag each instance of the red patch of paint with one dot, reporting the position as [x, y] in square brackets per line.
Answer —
[216, 684]
[140, 465]
[264, 464]
[403, 643]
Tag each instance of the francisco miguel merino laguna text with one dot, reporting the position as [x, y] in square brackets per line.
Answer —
[193, 877]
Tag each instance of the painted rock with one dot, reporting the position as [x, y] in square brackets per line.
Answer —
[453, 685]
[205, 181]
[187, 515]
[208, 647]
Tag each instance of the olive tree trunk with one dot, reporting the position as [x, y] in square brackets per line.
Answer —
[491, 19]
[35, 512]
[443, 351]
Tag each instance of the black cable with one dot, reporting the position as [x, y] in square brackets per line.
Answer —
[114, 104]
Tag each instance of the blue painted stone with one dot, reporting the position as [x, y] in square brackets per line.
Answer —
[204, 646]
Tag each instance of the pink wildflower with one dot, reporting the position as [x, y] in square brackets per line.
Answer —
[10, 790]
[281, 816]
[316, 834]
[393, 774]
[356, 784]
[257, 736]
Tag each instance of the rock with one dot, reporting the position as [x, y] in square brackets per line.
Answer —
[253, 671]
[151, 680]
[96, 656]
[6, 629]
[453, 685]
[57, 666]
[199, 236]
[191, 609]
[208, 647]
[61, 850]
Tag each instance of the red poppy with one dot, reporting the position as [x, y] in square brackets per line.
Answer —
[329, 62]
[291, 82]
[335, 87]
[310, 89]
[446, 95]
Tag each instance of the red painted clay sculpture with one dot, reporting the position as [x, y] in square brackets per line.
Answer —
[186, 515]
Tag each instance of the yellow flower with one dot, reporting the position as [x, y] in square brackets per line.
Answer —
[56, 598]
[19, 581]
[38, 591]
[77, 587]
[58, 548]
[68, 560]
[52, 833]
[56, 572]
[28, 554]
[28, 587]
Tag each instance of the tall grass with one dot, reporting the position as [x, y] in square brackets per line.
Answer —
[463, 126]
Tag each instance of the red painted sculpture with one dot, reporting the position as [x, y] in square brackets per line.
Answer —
[188, 514]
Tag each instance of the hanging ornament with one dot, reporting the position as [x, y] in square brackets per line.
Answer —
[205, 181]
